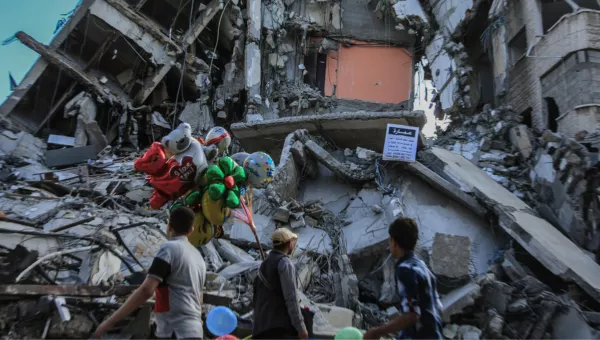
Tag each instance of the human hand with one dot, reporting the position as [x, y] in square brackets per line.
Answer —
[103, 328]
[303, 336]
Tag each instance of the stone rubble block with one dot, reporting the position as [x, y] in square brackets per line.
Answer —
[451, 259]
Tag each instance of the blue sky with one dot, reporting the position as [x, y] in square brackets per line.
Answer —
[37, 18]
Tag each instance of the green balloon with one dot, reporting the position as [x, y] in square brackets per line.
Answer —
[349, 333]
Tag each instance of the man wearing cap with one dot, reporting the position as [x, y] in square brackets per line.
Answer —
[277, 312]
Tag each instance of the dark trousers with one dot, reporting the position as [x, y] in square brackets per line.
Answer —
[277, 333]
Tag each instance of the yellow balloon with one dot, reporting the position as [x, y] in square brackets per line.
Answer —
[203, 231]
[215, 212]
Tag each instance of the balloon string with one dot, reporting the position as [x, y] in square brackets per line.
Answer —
[253, 227]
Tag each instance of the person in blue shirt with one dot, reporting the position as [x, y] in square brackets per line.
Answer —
[419, 305]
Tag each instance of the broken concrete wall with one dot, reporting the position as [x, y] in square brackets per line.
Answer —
[449, 14]
[560, 176]
[22, 144]
[580, 118]
[555, 251]
[420, 201]
[448, 60]
[543, 72]
[570, 85]
[146, 41]
[500, 60]
[361, 22]
[341, 128]
[442, 67]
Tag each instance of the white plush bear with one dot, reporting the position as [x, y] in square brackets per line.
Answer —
[180, 143]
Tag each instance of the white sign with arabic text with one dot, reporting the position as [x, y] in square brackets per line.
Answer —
[400, 143]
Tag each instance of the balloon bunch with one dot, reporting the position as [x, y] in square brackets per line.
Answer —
[196, 173]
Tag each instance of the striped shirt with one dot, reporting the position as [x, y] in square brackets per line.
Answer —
[417, 289]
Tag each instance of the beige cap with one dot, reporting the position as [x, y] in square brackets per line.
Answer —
[283, 235]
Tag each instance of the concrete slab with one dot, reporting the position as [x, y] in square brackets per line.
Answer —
[240, 233]
[338, 317]
[22, 145]
[43, 245]
[571, 324]
[368, 230]
[313, 240]
[440, 184]
[437, 213]
[555, 251]
[230, 252]
[519, 137]
[341, 128]
[455, 301]
[70, 156]
[43, 209]
[334, 193]
[451, 256]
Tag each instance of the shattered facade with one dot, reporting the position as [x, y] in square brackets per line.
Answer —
[146, 64]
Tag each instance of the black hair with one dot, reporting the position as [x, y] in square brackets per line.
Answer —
[405, 232]
[181, 220]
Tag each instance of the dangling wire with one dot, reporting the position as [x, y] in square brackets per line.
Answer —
[379, 179]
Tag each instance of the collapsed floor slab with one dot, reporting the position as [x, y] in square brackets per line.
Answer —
[339, 128]
[555, 251]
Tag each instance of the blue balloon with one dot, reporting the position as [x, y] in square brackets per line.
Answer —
[221, 321]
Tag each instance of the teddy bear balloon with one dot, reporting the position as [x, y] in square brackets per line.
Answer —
[172, 177]
[187, 152]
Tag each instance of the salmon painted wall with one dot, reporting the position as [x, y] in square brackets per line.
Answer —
[376, 74]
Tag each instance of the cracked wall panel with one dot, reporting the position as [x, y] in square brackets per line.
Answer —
[450, 13]
[442, 69]
[361, 22]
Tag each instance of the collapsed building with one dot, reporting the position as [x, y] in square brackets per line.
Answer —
[501, 196]
[211, 62]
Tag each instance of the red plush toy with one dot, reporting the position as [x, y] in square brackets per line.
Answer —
[168, 177]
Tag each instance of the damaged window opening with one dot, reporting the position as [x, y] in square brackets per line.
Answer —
[527, 120]
[553, 114]
[518, 46]
[315, 64]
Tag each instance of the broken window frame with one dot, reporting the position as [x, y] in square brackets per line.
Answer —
[514, 51]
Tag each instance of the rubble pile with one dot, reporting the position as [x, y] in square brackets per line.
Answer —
[551, 172]
[497, 142]
[508, 302]
[77, 240]
[301, 80]
[292, 100]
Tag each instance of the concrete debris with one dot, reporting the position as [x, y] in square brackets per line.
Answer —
[342, 227]
[451, 260]
[498, 200]
[455, 301]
